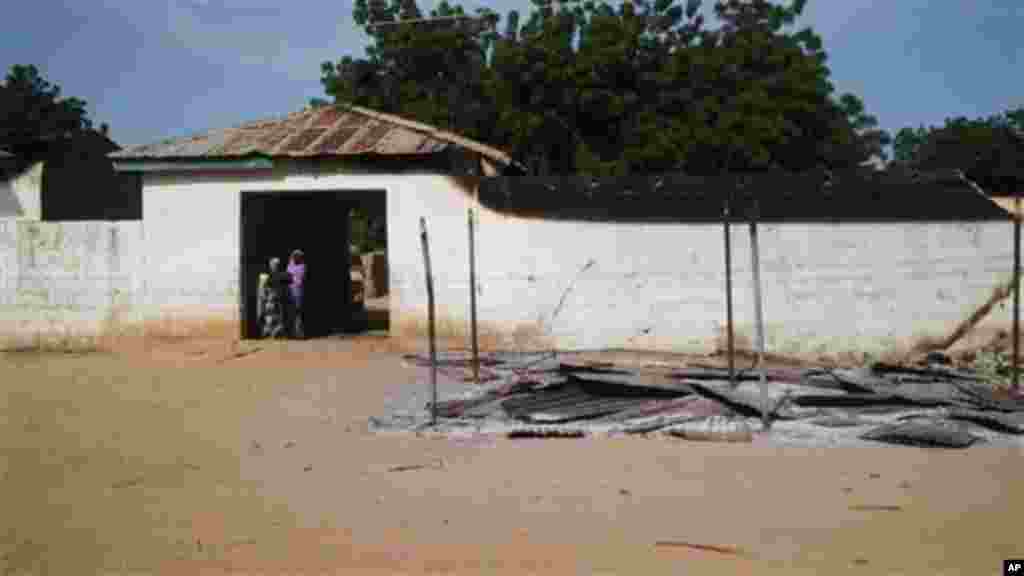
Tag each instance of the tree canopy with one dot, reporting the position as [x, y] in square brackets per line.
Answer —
[647, 86]
[989, 150]
[35, 116]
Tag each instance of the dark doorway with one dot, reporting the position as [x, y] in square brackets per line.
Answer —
[274, 224]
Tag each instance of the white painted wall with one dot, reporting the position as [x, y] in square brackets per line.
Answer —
[61, 280]
[827, 288]
[180, 264]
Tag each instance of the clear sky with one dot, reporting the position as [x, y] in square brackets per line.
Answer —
[154, 69]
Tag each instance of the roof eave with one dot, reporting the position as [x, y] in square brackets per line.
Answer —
[151, 165]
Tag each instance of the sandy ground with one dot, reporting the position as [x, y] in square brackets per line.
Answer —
[203, 459]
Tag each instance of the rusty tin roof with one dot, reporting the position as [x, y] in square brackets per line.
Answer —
[324, 131]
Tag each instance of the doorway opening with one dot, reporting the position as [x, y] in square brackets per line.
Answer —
[370, 277]
[273, 224]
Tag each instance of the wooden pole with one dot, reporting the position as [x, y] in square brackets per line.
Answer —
[430, 321]
[472, 301]
[1016, 294]
[755, 266]
[728, 294]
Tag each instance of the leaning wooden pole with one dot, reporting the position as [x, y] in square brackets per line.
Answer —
[755, 266]
[728, 294]
[430, 321]
[472, 301]
[1016, 295]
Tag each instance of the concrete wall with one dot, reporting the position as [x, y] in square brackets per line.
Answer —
[827, 288]
[66, 280]
[179, 266]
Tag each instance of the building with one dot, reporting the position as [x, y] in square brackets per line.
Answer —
[75, 181]
[856, 264]
[262, 189]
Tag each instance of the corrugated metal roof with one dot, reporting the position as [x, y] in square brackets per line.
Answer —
[325, 131]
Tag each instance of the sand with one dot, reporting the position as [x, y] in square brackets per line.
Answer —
[195, 458]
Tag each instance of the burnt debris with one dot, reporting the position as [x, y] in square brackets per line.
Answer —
[539, 394]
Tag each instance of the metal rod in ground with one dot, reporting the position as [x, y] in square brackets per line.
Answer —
[1016, 295]
[755, 266]
[430, 321]
[472, 301]
[728, 295]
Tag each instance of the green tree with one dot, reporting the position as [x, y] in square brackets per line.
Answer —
[989, 150]
[35, 116]
[644, 87]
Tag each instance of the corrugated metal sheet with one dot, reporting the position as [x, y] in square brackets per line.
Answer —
[324, 131]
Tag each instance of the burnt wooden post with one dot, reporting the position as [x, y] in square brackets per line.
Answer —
[430, 321]
[472, 301]
[1016, 293]
[728, 291]
[755, 267]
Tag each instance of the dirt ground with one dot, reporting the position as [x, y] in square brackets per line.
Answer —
[216, 458]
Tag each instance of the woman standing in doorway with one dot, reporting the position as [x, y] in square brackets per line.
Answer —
[297, 271]
[272, 301]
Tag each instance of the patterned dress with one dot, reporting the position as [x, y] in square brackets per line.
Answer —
[273, 305]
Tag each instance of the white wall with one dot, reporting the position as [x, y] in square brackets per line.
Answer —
[180, 265]
[827, 288]
[71, 279]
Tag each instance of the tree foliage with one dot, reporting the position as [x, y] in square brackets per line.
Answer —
[35, 116]
[989, 150]
[646, 86]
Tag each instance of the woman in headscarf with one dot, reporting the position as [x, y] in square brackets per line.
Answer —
[297, 271]
[272, 305]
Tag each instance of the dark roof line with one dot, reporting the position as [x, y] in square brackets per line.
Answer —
[807, 197]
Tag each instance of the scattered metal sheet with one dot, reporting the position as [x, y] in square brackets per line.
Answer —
[932, 393]
[932, 434]
[987, 399]
[743, 375]
[655, 407]
[660, 423]
[631, 384]
[885, 409]
[864, 400]
[1012, 423]
[825, 379]
[591, 367]
[544, 433]
[839, 421]
[937, 372]
[539, 389]
[585, 410]
[742, 402]
[860, 380]
[712, 373]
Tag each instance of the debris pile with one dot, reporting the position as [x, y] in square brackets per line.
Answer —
[541, 395]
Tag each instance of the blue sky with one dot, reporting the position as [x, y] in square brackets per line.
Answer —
[155, 69]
